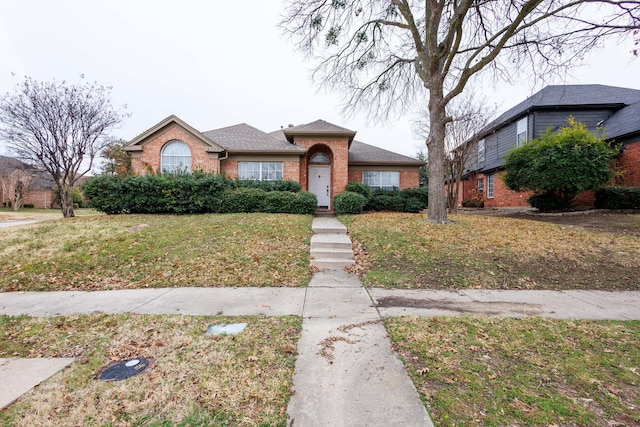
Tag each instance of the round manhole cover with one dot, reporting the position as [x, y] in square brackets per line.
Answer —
[124, 369]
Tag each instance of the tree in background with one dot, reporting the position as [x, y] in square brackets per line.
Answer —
[423, 179]
[469, 114]
[117, 161]
[559, 165]
[387, 56]
[60, 127]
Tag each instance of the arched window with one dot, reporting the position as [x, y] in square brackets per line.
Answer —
[176, 157]
[320, 158]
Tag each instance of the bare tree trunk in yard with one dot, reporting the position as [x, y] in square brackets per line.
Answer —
[437, 212]
[66, 201]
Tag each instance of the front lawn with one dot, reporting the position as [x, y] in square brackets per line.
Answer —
[193, 379]
[485, 252]
[137, 251]
[522, 372]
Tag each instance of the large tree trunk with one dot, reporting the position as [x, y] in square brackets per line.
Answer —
[435, 149]
[66, 201]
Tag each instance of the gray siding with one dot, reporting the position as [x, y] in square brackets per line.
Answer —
[555, 119]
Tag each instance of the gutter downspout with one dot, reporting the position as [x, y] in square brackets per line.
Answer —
[220, 159]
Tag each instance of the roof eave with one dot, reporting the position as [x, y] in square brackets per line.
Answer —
[386, 163]
[291, 134]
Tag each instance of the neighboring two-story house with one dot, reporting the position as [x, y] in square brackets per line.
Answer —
[321, 156]
[616, 110]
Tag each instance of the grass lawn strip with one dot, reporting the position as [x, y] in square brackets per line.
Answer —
[194, 379]
[482, 252]
[139, 251]
[533, 371]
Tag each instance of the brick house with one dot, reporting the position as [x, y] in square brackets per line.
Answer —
[38, 186]
[616, 110]
[321, 156]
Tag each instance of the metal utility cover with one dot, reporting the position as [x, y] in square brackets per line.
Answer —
[124, 369]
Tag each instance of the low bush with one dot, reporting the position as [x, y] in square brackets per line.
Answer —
[349, 202]
[360, 188]
[408, 200]
[194, 193]
[549, 201]
[28, 206]
[289, 202]
[618, 198]
[242, 200]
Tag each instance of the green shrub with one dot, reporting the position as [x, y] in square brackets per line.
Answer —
[290, 202]
[283, 185]
[559, 164]
[349, 203]
[242, 200]
[28, 206]
[618, 198]
[360, 188]
[422, 194]
[549, 201]
[194, 193]
[386, 201]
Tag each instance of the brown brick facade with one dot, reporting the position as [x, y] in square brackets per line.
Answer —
[338, 151]
[254, 146]
[148, 160]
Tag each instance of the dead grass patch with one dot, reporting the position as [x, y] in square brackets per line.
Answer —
[533, 371]
[138, 251]
[403, 250]
[195, 379]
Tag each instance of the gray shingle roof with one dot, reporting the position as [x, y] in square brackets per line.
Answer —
[361, 153]
[245, 138]
[569, 96]
[42, 179]
[623, 122]
[319, 127]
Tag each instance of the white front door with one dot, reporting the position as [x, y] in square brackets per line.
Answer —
[320, 184]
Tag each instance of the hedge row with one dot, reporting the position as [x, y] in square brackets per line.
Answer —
[195, 193]
[408, 200]
[618, 198]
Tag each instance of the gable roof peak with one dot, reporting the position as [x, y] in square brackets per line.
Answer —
[318, 128]
[135, 143]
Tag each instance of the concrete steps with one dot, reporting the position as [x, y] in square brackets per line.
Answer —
[330, 246]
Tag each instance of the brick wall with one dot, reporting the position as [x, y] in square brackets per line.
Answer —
[149, 158]
[629, 164]
[338, 149]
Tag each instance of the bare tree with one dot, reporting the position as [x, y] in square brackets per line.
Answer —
[385, 55]
[59, 126]
[469, 114]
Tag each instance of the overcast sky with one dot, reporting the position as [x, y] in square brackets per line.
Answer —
[213, 64]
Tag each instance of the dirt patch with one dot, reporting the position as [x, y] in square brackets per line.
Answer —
[598, 221]
[482, 308]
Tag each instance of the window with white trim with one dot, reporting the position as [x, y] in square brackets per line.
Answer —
[480, 185]
[260, 171]
[175, 157]
[382, 180]
[490, 186]
[521, 135]
[481, 150]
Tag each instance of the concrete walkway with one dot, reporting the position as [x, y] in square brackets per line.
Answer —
[346, 372]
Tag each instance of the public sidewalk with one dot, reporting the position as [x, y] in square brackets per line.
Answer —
[589, 305]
